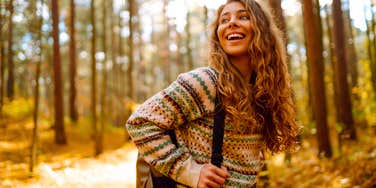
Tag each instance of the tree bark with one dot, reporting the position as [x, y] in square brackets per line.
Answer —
[131, 5]
[332, 63]
[2, 56]
[165, 53]
[112, 85]
[94, 79]
[72, 65]
[188, 41]
[120, 79]
[373, 52]
[142, 65]
[10, 81]
[332, 56]
[278, 16]
[350, 48]
[34, 143]
[60, 137]
[179, 55]
[344, 101]
[103, 98]
[313, 35]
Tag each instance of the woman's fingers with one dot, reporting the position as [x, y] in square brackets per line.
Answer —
[212, 176]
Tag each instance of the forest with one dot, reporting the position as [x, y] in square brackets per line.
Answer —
[72, 72]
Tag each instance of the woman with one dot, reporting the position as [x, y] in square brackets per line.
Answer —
[248, 73]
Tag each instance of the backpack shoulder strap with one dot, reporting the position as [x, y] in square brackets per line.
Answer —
[218, 131]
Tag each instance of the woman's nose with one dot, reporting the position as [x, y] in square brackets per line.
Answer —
[233, 22]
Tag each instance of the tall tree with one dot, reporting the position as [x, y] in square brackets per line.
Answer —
[332, 56]
[340, 67]
[131, 7]
[369, 47]
[60, 137]
[2, 55]
[94, 78]
[188, 41]
[206, 16]
[350, 47]
[278, 16]
[165, 53]
[72, 65]
[119, 64]
[113, 51]
[372, 43]
[34, 144]
[179, 55]
[103, 98]
[10, 81]
[142, 65]
[314, 48]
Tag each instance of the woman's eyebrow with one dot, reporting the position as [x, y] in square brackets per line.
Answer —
[238, 11]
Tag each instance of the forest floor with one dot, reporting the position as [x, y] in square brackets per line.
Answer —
[73, 165]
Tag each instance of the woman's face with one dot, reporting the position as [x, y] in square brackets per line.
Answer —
[234, 29]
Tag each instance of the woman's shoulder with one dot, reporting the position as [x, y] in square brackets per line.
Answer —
[200, 74]
[200, 83]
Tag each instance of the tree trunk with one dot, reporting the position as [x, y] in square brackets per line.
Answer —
[373, 52]
[2, 56]
[332, 61]
[142, 65]
[370, 47]
[94, 79]
[278, 16]
[350, 48]
[165, 53]
[120, 81]
[206, 16]
[331, 55]
[60, 137]
[2, 70]
[34, 143]
[179, 55]
[313, 35]
[72, 65]
[10, 81]
[103, 98]
[188, 41]
[281, 23]
[111, 102]
[151, 67]
[344, 100]
[131, 48]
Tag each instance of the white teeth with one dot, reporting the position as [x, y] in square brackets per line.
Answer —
[235, 35]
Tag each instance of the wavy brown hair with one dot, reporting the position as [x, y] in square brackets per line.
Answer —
[264, 105]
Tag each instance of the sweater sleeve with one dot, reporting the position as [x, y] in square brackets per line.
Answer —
[188, 98]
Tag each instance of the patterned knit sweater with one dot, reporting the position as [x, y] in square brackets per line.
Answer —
[187, 106]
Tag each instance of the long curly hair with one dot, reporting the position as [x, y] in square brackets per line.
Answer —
[265, 105]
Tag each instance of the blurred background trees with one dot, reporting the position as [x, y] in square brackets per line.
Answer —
[94, 61]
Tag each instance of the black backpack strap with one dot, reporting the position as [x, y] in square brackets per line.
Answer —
[218, 131]
[172, 134]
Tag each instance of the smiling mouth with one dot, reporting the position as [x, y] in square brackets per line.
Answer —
[235, 36]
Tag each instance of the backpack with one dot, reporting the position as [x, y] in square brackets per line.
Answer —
[148, 177]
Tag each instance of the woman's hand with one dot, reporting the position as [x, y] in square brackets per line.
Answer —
[212, 176]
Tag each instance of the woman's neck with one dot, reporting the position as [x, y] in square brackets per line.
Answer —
[242, 64]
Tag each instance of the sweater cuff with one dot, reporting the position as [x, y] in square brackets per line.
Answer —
[190, 173]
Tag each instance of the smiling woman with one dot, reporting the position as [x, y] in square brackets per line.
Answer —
[247, 79]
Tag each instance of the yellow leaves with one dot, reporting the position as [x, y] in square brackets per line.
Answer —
[131, 105]
[18, 108]
[278, 159]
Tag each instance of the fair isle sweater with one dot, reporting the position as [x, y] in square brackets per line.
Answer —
[187, 106]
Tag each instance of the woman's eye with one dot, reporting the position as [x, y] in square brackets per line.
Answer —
[225, 20]
[244, 17]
